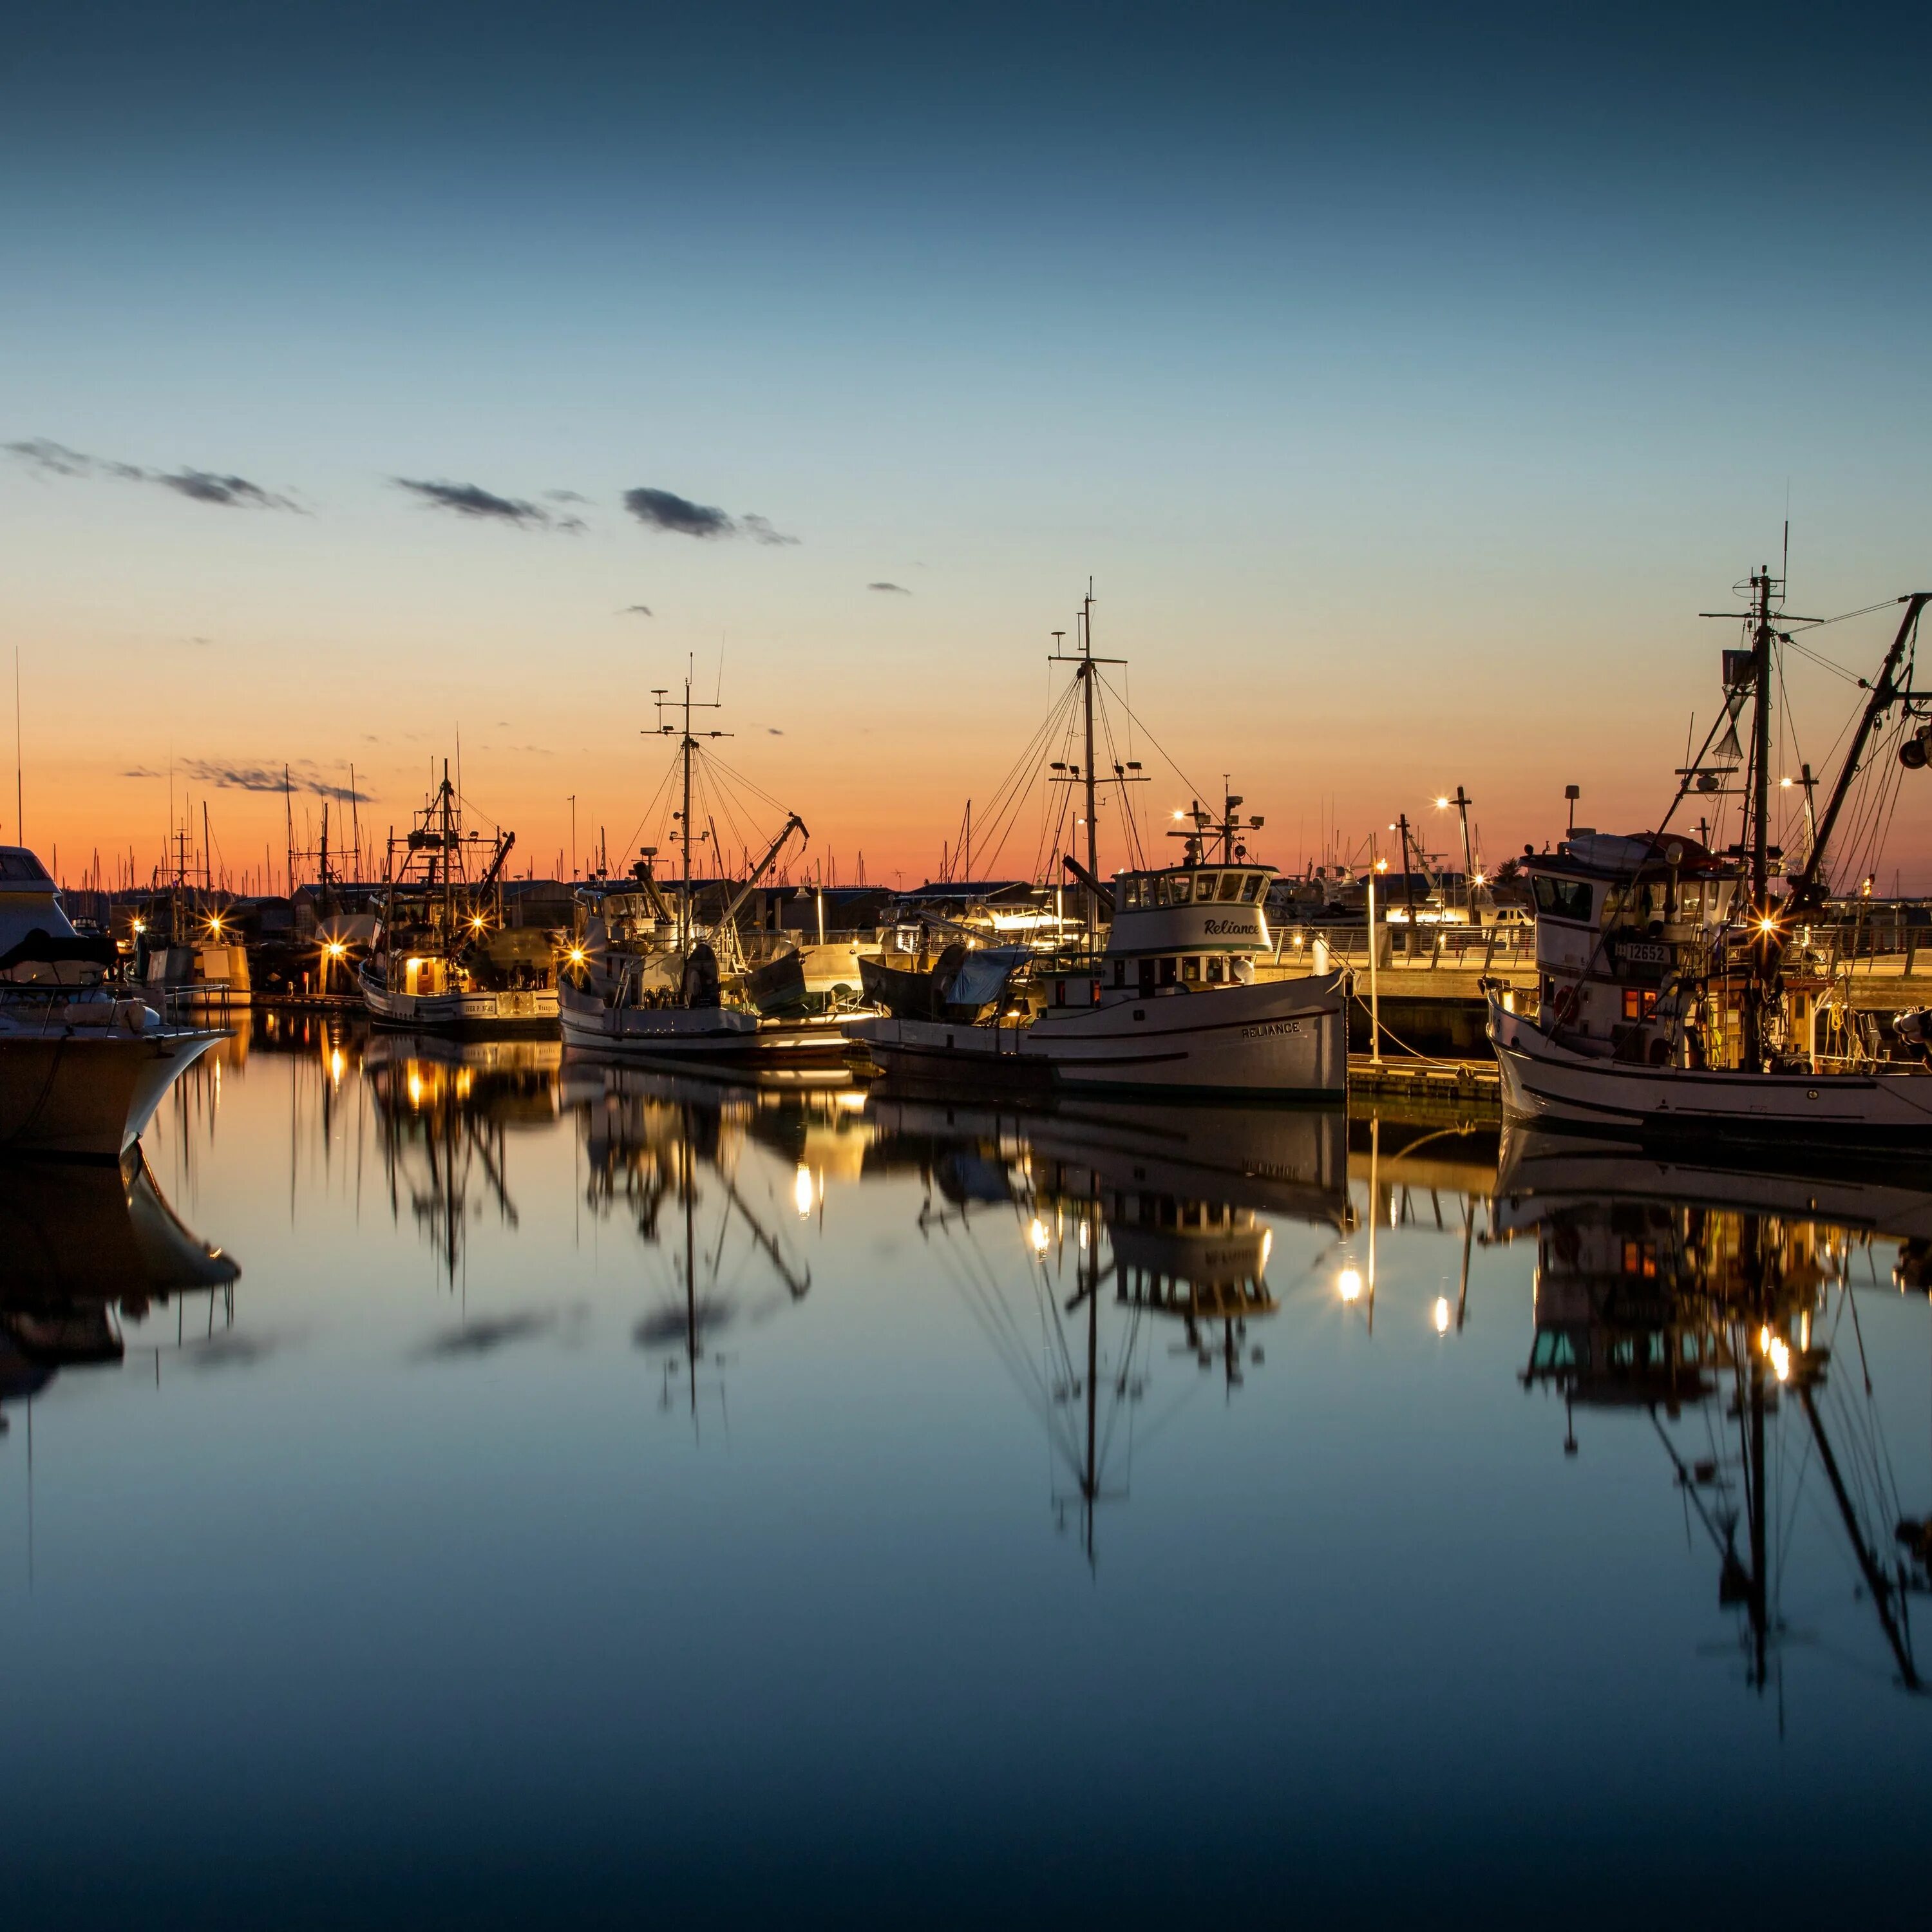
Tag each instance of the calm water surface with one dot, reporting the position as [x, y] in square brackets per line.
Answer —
[540, 1493]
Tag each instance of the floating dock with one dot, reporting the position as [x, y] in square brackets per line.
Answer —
[1463, 1090]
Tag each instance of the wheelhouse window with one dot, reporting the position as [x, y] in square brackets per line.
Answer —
[1130, 895]
[1231, 886]
[1562, 898]
[1251, 886]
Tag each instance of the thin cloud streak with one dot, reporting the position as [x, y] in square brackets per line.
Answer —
[473, 500]
[303, 778]
[224, 490]
[666, 510]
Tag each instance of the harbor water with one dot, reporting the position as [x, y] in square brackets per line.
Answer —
[472, 1485]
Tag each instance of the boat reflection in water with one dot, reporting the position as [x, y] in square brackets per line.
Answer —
[91, 1252]
[446, 1109]
[665, 1150]
[1715, 1304]
[1040, 1219]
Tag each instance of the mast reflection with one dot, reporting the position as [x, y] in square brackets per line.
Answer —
[654, 1141]
[1715, 1303]
[445, 1109]
[1176, 1200]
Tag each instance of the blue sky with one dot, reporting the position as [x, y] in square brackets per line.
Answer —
[1406, 383]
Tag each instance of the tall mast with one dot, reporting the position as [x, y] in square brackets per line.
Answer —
[687, 747]
[1760, 799]
[1086, 669]
[684, 901]
[1093, 847]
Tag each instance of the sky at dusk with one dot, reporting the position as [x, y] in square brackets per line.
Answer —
[1405, 379]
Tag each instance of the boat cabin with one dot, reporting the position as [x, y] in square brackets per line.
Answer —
[1180, 929]
[1624, 926]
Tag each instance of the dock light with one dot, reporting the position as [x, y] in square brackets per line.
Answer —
[335, 949]
[1039, 1236]
[1441, 1314]
[1350, 1284]
[1767, 926]
[801, 1192]
[1381, 865]
[476, 922]
[215, 924]
[140, 925]
[577, 956]
[1441, 805]
[1784, 784]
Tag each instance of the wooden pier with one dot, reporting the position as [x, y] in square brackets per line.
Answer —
[1457, 1090]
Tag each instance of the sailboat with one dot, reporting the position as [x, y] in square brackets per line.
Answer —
[1680, 999]
[1172, 1004]
[647, 978]
[443, 960]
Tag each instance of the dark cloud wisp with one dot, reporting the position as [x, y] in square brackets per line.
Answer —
[636, 611]
[303, 778]
[223, 489]
[666, 510]
[472, 499]
[892, 589]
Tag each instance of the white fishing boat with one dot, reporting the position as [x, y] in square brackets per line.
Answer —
[443, 960]
[1172, 1005]
[1680, 999]
[84, 1060]
[668, 978]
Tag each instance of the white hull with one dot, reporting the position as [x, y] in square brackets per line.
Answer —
[1550, 1085]
[1287, 1040]
[87, 1093]
[700, 1033]
[473, 1012]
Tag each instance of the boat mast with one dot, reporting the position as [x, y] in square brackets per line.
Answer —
[687, 748]
[1093, 848]
[1085, 669]
[684, 899]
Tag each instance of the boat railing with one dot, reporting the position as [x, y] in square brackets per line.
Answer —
[1465, 949]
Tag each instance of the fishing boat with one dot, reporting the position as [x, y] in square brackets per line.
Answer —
[1172, 1004]
[443, 960]
[1680, 999]
[661, 978]
[84, 1060]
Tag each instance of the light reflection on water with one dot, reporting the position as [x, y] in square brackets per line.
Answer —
[598, 1488]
